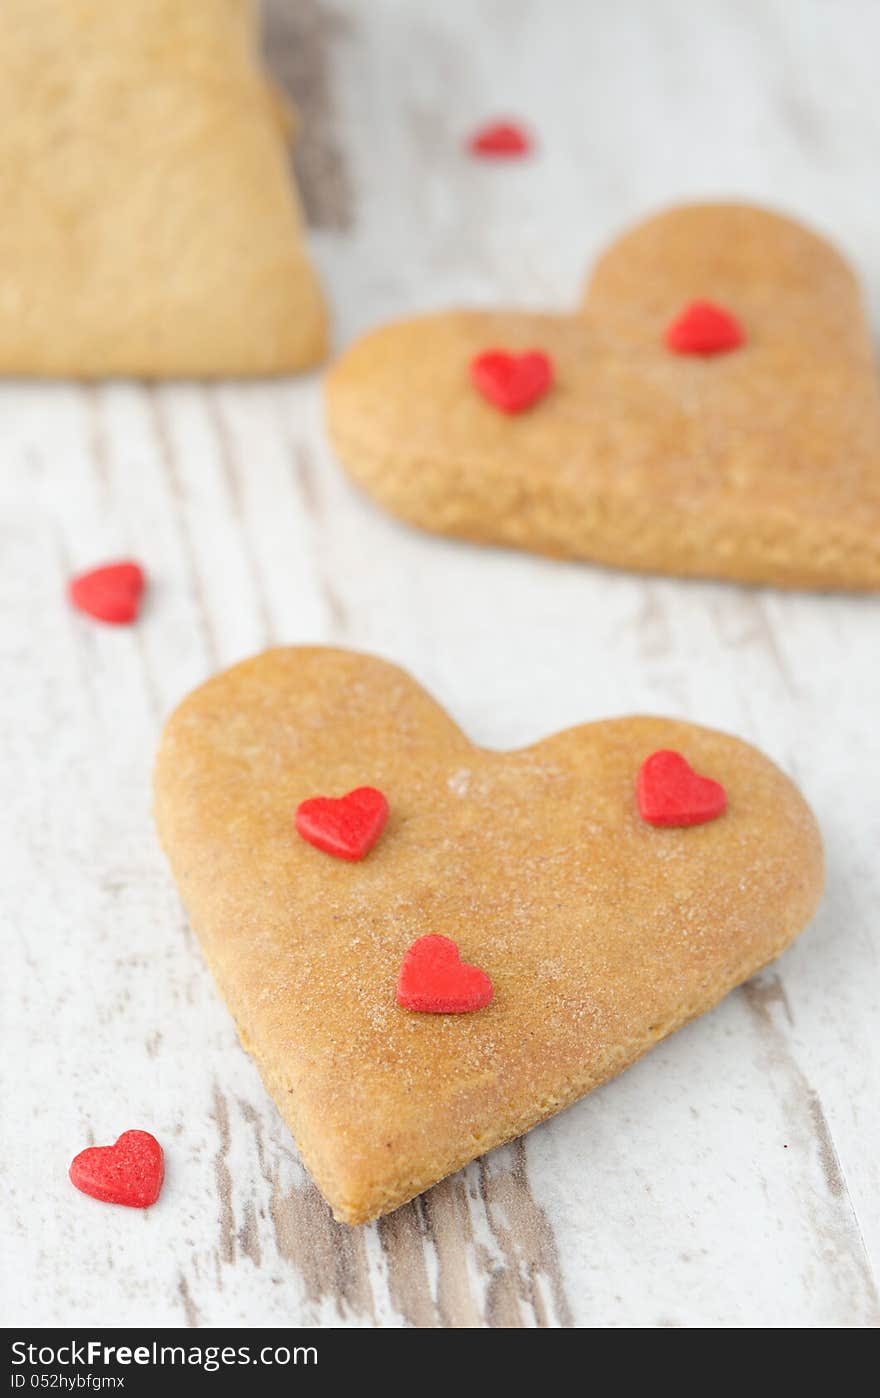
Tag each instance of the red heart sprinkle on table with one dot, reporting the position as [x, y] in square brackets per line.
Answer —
[345, 826]
[512, 382]
[130, 1172]
[704, 328]
[670, 792]
[504, 139]
[110, 593]
[434, 980]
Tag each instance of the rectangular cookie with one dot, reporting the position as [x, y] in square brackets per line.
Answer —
[150, 225]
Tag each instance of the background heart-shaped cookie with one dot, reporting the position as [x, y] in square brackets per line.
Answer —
[601, 933]
[760, 464]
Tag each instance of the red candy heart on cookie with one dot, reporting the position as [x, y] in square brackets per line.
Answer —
[704, 328]
[670, 792]
[512, 382]
[344, 826]
[434, 980]
[130, 1172]
[110, 593]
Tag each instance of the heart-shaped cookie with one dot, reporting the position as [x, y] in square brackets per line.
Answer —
[599, 932]
[761, 463]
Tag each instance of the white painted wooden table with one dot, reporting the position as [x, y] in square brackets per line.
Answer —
[731, 1178]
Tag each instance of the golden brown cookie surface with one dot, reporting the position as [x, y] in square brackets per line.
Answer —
[150, 226]
[762, 464]
[601, 934]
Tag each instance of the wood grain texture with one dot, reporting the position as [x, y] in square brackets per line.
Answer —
[729, 1179]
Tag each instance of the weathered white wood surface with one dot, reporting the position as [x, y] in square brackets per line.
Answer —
[731, 1178]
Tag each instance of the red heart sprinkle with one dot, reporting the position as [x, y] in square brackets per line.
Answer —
[671, 793]
[704, 328]
[512, 382]
[346, 826]
[434, 980]
[500, 138]
[131, 1172]
[110, 593]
